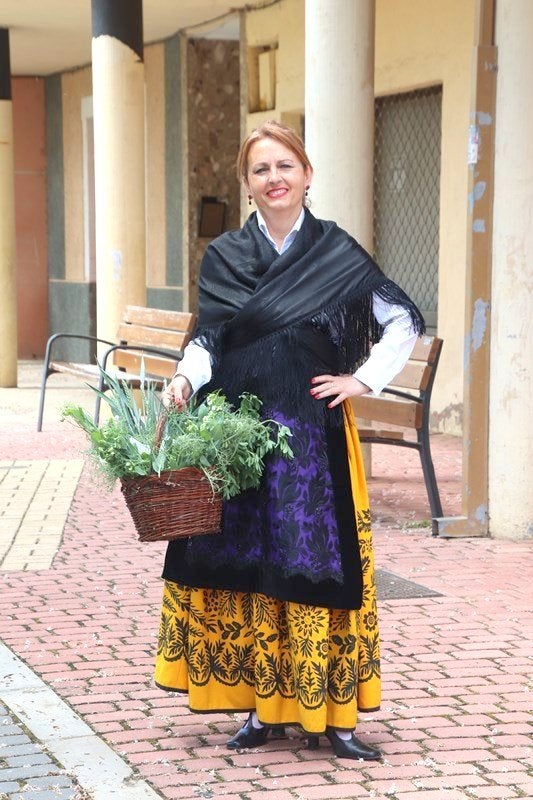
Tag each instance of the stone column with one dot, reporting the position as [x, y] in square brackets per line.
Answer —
[119, 116]
[339, 117]
[339, 111]
[8, 292]
[511, 390]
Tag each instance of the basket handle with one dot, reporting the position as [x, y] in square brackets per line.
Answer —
[159, 431]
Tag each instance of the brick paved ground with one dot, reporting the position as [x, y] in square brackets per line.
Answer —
[455, 721]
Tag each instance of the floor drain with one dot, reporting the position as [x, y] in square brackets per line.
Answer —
[393, 587]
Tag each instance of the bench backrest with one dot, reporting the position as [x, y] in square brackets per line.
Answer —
[153, 327]
[405, 400]
[419, 372]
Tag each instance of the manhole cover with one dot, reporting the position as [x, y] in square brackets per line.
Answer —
[393, 587]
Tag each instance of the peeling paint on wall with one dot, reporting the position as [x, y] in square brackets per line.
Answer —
[479, 323]
[476, 194]
[483, 118]
[479, 189]
[478, 226]
[510, 396]
[481, 513]
[116, 260]
[452, 413]
[466, 357]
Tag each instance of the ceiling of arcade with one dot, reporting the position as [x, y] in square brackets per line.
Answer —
[55, 35]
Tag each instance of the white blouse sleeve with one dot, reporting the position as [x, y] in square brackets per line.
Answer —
[195, 365]
[391, 353]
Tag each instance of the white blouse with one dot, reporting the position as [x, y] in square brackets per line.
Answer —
[387, 358]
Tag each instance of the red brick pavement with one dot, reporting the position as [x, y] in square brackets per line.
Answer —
[454, 722]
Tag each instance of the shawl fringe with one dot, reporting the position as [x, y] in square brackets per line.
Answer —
[278, 367]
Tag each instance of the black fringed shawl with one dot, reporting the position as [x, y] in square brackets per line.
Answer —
[256, 304]
[270, 323]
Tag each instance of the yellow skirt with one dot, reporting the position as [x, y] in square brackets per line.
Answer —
[293, 663]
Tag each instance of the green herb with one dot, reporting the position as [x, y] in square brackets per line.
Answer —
[228, 445]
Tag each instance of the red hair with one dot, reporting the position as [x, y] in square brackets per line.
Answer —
[271, 130]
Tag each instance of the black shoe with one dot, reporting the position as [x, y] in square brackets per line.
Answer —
[346, 748]
[248, 736]
[278, 732]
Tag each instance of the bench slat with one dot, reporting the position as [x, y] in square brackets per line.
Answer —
[415, 375]
[91, 371]
[383, 409]
[159, 366]
[377, 433]
[154, 337]
[72, 368]
[160, 318]
[425, 349]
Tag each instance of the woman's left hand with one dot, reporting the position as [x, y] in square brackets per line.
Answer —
[343, 386]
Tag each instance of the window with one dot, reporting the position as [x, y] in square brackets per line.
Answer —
[261, 78]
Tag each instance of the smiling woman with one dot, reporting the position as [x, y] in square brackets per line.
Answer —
[278, 615]
[277, 181]
[276, 173]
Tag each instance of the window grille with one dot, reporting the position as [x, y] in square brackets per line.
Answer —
[406, 193]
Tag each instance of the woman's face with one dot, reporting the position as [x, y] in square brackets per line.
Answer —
[276, 177]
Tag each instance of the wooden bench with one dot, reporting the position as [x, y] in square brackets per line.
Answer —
[405, 402]
[152, 335]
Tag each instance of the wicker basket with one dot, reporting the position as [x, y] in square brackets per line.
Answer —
[172, 505]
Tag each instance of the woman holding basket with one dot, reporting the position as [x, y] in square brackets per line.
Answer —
[277, 615]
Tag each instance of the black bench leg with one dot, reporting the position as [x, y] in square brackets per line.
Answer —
[98, 401]
[102, 386]
[429, 473]
[46, 373]
[41, 402]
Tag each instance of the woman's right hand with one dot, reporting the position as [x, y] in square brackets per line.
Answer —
[177, 393]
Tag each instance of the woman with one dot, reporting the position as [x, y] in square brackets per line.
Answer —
[277, 616]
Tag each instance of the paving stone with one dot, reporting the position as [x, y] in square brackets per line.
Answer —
[6, 787]
[18, 750]
[7, 729]
[52, 793]
[27, 760]
[22, 773]
[322, 793]
[14, 739]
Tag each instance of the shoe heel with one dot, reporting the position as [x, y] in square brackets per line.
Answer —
[312, 742]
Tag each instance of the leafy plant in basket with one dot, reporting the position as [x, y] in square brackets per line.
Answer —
[166, 459]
